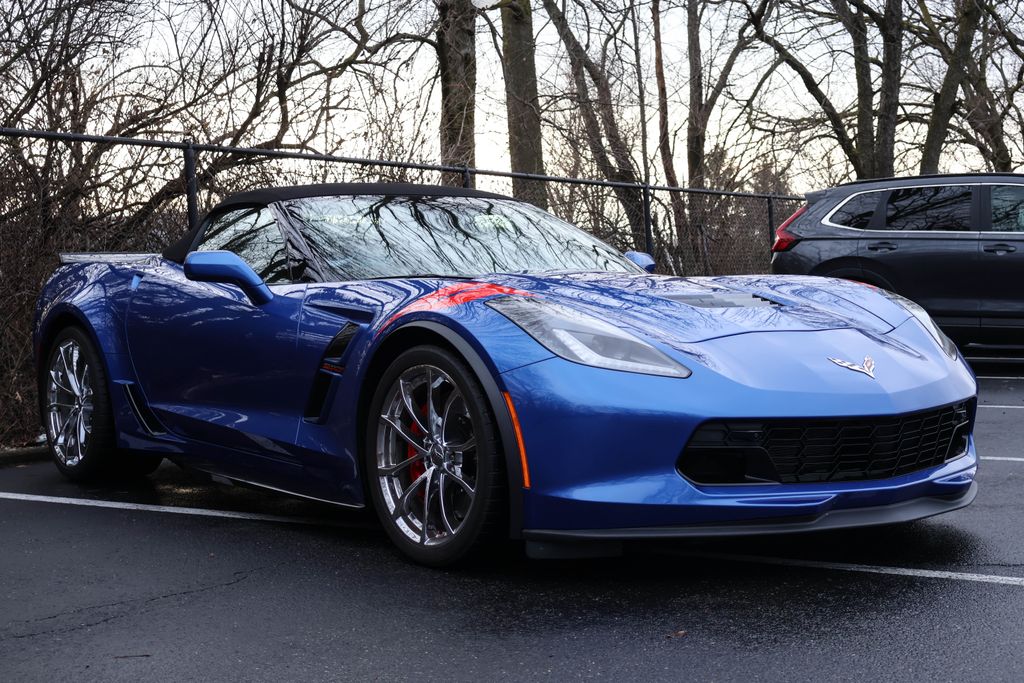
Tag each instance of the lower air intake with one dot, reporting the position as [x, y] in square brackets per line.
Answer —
[793, 451]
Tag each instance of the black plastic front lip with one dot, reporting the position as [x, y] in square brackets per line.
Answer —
[847, 518]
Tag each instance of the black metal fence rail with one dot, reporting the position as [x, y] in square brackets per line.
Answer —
[118, 196]
[190, 148]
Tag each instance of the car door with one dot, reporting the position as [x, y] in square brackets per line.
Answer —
[1001, 285]
[213, 366]
[923, 242]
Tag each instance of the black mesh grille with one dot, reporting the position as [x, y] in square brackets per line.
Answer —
[817, 450]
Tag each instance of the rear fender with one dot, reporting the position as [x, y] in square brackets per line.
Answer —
[92, 297]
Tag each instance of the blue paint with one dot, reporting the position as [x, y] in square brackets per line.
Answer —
[226, 363]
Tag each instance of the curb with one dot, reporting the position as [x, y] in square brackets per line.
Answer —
[20, 456]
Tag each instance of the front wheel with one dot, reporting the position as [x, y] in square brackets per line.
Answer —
[433, 459]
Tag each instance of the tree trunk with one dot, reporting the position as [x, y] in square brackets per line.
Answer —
[456, 56]
[525, 147]
[889, 88]
[695, 122]
[855, 25]
[969, 17]
[696, 134]
[664, 142]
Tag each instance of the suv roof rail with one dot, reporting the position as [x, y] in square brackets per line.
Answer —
[971, 174]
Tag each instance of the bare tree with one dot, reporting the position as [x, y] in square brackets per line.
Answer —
[704, 96]
[664, 136]
[1003, 50]
[985, 107]
[963, 26]
[525, 137]
[876, 40]
[456, 56]
[608, 146]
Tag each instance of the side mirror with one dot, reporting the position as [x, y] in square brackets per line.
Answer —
[227, 268]
[642, 259]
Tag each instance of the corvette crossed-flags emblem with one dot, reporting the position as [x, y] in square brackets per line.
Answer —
[868, 368]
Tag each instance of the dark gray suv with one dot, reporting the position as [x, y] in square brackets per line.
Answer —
[952, 243]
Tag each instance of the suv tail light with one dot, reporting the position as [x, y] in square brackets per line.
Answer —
[784, 239]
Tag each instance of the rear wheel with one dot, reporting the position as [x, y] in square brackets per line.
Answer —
[433, 461]
[77, 413]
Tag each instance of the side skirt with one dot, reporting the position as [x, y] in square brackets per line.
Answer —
[235, 481]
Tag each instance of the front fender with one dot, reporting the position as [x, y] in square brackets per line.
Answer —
[491, 345]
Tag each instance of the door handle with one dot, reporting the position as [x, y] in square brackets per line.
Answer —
[999, 249]
[882, 246]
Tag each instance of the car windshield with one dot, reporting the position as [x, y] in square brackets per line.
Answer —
[362, 237]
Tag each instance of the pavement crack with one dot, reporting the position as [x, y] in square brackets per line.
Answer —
[135, 604]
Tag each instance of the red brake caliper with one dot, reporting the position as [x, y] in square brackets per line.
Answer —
[417, 468]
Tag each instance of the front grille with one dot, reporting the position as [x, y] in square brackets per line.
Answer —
[791, 451]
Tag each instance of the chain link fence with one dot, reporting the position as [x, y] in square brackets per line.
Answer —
[65, 192]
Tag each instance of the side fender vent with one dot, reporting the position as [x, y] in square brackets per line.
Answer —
[336, 349]
[142, 411]
[331, 367]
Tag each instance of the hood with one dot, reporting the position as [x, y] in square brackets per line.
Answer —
[678, 310]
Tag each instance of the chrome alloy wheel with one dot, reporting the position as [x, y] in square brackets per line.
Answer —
[69, 403]
[426, 455]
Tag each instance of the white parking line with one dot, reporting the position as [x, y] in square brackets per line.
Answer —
[754, 559]
[994, 405]
[865, 568]
[199, 512]
[996, 457]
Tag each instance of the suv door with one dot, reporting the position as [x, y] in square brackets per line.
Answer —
[1001, 278]
[923, 243]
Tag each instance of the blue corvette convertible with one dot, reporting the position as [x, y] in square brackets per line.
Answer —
[472, 367]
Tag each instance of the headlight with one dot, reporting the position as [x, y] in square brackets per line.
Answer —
[926, 321]
[584, 339]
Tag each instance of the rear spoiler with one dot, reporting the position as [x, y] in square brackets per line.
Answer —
[103, 257]
[817, 195]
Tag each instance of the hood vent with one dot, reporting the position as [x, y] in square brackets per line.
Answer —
[721, 300]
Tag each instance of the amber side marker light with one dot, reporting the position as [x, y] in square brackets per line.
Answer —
[519, 439]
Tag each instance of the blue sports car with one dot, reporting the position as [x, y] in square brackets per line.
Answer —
[472, 367]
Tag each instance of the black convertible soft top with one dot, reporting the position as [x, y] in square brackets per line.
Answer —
[178, 250]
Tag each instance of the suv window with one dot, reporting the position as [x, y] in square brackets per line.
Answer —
[857, 211]
[1008, 208]
[253, 235]
[929, 208]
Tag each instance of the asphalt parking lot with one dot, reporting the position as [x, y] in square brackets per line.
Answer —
[112, 584]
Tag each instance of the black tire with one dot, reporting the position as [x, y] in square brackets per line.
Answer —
[481, 466]
[96, 457]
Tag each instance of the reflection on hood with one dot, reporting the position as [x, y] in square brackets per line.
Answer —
[689, 310]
